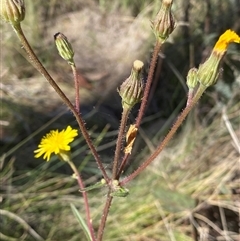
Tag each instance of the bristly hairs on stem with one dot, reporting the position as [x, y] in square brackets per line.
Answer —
[38, 65]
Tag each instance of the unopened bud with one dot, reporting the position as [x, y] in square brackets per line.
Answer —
[208, 72]
[164, 24]
[12, 11]
[131, 89]
[64, 48]
[192, 79]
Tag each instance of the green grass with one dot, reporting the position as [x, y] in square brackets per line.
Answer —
[162, 200]
[191, 183]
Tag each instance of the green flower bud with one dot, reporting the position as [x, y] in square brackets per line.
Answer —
[192, 79]
[164, 23]
[12, 11]
[131, 89]
[64, 48]
[208, 72]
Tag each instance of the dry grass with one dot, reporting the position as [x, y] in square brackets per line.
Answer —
[190, 186]
[191, 189]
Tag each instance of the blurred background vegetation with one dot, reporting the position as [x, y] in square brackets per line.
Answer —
[191, 190]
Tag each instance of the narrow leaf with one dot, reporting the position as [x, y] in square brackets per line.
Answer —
[81, 222]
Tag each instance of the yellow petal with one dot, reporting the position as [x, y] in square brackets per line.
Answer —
[225, 39]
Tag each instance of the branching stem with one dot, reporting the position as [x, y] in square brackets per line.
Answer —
[147, 88]
[38, 65]
[169, 136]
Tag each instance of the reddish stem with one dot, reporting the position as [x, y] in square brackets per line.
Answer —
[148, 83]
[144, 99]
[169, 136]
[77, 85]
[104, 216]
[85, 198]
[40, 68]
[122, 128]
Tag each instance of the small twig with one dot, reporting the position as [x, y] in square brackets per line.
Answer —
[207, 221]
[231, 130]
[224, 224]
[25, 225]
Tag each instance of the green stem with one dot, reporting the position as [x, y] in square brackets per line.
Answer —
[122, 128]
[38, 65]
[169, 136]
[85, 198]
[104, 216]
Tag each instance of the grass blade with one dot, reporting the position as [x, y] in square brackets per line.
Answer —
[81, 222]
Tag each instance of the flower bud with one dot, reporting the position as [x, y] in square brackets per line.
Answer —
[192, 80]
[64, 48]
[131, 89]
[12, 11]
[208, 72]
[164, 23]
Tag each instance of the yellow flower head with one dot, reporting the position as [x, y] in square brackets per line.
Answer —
[208, 72]
[225, 39]
[55, 142]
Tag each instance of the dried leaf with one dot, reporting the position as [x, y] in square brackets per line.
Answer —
[130, 138]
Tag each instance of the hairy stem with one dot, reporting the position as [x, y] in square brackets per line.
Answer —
[38, 65]
[122, 128]
[76, 82]
[148, 83]
[104, 216]
[170, 134]
[141, 112]
[85, 198]
[123, 164]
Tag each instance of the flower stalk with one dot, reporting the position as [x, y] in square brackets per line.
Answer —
[131, 93]
[85, 198]
[38, 65]
[122, 128]
[169, 136]
[104, 216]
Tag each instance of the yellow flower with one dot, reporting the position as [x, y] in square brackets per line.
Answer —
[225, 39]
[55, 142]
[208, 72]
